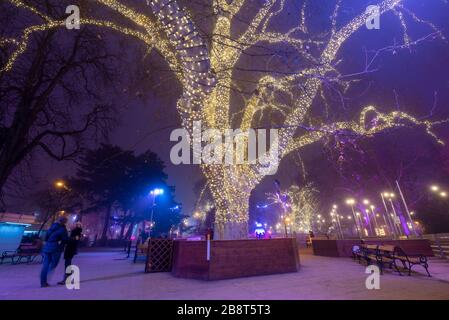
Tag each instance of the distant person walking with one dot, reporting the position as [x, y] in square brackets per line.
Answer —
[309, 239]
[71, 249]
[55, 240]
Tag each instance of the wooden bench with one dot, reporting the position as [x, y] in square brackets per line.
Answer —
[8, 255]
[365, 253]
[387, 256]
[409, 260]
[30, 252]
[26, 251]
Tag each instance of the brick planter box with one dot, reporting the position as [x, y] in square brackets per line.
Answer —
[234, 258]
[343, 248]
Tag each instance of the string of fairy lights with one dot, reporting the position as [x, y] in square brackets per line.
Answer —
[206, 75]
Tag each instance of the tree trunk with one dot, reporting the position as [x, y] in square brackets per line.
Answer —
[106, 223]
[231, 188]
[230, 230]
[122, 230]
[130, 230]
[47, 218]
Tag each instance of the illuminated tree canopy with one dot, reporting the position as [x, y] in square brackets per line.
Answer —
[278, 95]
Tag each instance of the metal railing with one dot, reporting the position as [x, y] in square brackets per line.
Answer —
[439, 243]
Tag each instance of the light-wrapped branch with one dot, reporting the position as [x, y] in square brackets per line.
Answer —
[371, 122]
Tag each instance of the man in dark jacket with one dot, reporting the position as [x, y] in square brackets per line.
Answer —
[55, 240]
[71, 249]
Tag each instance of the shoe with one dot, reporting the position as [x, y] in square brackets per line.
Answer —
[61, 282]
[44, 285]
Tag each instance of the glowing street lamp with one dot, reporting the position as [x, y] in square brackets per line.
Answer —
[350, 201]
[434, 188]
[60, 184]
[157, 192]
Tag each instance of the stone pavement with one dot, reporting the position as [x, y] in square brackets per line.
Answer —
[108, 275]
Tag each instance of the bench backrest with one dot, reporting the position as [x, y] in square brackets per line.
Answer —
[399, 251]
[387, 248]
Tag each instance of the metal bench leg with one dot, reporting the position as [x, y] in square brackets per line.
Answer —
[403, 263]
[381, 267]
[397, 269]
[426, 266]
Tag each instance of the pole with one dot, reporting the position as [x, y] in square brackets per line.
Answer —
[339, 225]
[406, 208]
[392, 229]
[371, 227]
[376, 226]
[361, 225]
[151, 218]
[395, 216]
[356, 222]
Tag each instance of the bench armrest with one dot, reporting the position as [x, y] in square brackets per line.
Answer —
[5, 253]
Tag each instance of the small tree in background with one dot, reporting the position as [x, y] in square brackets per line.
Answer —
[115, 179]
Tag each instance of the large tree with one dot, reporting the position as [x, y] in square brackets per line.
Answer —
[49, 99]
[250, 52]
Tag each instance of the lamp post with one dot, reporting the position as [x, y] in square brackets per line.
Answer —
[154, 193]
[394, 216]
[374, 217]
[366, 202]
[337, 220]
[390, 223]
[406, 209]
[61, 184]
[351, 202]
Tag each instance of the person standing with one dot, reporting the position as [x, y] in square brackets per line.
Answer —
[71, 248]
[55, 240]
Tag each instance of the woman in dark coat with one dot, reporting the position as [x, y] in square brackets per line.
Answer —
[71, 248]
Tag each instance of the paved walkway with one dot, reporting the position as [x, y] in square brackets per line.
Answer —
[108, 275]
